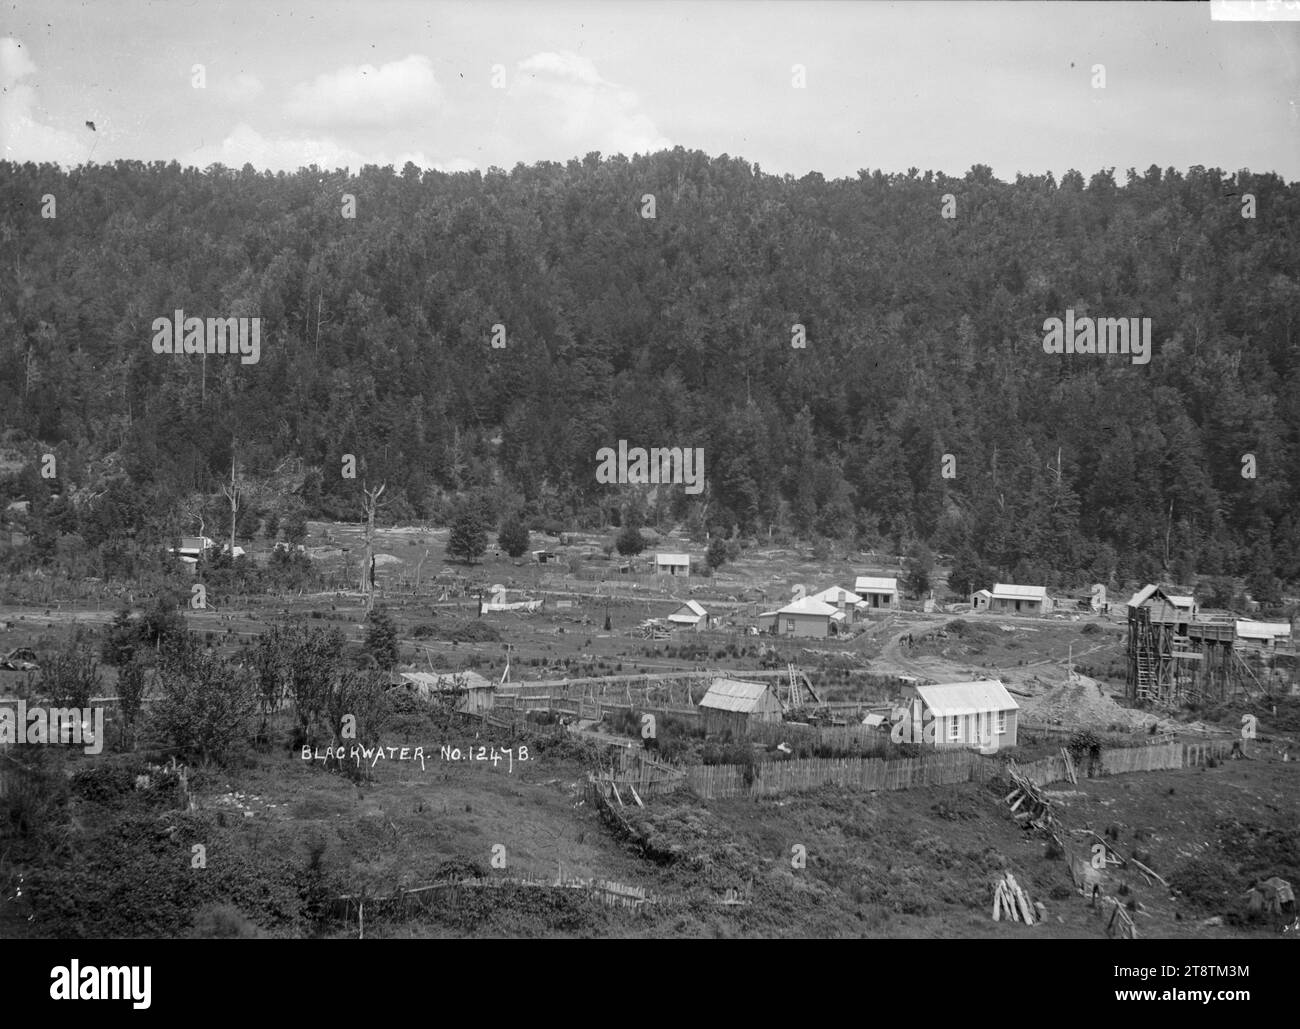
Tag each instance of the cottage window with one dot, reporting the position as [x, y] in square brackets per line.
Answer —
[789, 625]
[954, 729]
[1002, 723]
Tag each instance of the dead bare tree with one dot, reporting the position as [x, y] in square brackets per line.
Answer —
[233, 493]
[371, 504]
[418, 566]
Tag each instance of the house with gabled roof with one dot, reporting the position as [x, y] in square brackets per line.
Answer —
[980, 713]
[691, 615]
[803, 617]
[842, 600]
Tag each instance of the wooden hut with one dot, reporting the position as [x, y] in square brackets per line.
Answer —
[473, 693]
[691, 615]
[731, 706]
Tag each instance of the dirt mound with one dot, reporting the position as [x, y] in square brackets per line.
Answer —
[1080, 704]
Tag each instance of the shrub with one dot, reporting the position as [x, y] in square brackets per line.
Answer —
[68, 678]
[381, 638]
[513, 537]
[630, 542]
[205, 702]
[716, 555]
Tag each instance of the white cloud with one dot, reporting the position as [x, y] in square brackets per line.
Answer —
[398, 93]
[245, 145]
[22, 136]
[567, 65]
[242, 88]
[565, 97]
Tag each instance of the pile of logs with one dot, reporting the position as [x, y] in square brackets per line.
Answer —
[1010, 900]
[1028, 805]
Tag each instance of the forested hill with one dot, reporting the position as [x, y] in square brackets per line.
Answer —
[924, 337]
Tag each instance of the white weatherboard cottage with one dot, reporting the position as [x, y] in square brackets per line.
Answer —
[878, 593]
[1027, 600]
[965, 714]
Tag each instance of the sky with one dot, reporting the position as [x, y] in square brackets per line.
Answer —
[793, 87]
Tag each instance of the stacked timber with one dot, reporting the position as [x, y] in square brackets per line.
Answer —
[1028, 805]
[1010, 902]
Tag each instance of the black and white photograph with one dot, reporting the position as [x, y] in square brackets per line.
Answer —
[651, 469]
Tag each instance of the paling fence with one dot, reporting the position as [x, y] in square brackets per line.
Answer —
[719, 782]
[1119, 760]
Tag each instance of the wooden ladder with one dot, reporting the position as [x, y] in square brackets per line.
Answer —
[1145, 674]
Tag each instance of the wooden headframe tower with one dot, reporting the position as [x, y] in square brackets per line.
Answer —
[1174, 658]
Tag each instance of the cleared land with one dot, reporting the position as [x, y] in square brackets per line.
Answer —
[282, 838]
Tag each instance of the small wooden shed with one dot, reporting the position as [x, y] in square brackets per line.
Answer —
[673, 564]
[691, 615]
[732, 705]
[472, 692]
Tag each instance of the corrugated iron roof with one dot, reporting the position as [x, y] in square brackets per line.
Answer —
[808, 606]
[875, 584]
[672, 559]
[1008, 591]
[1151, 589]
[836, 595]
[1262, 630]
[446, 681]
[696, 612]
[1143, 595]
[966, 698]
[734, 695]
